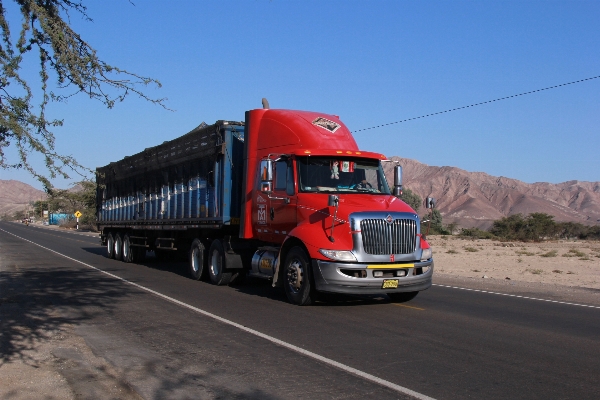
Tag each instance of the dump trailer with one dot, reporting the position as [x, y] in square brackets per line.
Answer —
[284, 195]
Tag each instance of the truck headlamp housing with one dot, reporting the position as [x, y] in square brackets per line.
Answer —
[338, 255]
[426, 254]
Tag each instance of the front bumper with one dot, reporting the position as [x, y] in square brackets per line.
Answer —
[336, 277]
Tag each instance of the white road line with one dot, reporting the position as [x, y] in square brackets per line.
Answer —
[516, 295]
[272, 339]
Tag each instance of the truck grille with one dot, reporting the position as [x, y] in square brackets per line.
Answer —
[380, 237]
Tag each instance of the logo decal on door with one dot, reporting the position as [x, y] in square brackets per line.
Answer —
[262, 214]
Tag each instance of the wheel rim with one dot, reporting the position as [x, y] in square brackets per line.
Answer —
[110, 245]
[294, 276]
[195, 260]
[125, 249]
[215, 265]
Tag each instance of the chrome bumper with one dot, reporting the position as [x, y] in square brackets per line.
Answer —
[330, 278]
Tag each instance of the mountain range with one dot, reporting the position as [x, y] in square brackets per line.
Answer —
[476, 199]
[469, 199]
[17, 196]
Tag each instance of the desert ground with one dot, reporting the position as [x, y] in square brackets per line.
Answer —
[572, 263]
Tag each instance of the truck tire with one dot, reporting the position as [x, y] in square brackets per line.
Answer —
[118, 247]
[110, 246]
[196, 260]
[402, 296]
[128, 251]
[296, 277]
[216, 264]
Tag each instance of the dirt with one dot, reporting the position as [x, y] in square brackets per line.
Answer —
[566, 263]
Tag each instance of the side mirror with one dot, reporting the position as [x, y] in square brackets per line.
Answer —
[398, 180]
[430, 203]
[333, 200]
[266, 175]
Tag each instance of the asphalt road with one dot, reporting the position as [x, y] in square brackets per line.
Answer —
[165, 339]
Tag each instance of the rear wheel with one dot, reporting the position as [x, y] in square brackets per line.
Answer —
[296, 278]
[118, 247]
[196, 261]
[110, 246]
[128, 251]
[216, 264]
[402, 296]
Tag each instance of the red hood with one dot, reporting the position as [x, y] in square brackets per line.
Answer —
[315, 216]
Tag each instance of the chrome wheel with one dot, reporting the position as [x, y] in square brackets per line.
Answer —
[295, 275]
[110, 246]
[196, 260]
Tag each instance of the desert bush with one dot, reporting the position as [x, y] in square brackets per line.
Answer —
[535, 271]
[574, 253]
[475, 233]
[524, 253]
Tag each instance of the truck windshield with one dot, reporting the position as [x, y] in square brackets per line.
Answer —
[341, 175]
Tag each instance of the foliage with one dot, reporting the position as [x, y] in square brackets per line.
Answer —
[475, 233]
[63, 55]
[540, 226]
[534, 227]
[81, 198]
[411, 198]
[433, 224]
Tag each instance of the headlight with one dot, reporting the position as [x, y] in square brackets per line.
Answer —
[426, 254]
[338, 255]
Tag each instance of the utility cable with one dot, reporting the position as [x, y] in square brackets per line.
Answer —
[478, 104]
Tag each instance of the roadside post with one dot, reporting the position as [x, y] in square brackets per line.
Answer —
[77, 215]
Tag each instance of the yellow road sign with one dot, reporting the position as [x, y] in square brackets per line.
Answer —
[78, 214]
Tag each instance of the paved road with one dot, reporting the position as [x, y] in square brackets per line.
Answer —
[445, 344]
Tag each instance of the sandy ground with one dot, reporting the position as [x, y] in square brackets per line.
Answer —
[568, 263]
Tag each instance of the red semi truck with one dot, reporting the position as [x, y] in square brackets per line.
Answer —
[285, 195]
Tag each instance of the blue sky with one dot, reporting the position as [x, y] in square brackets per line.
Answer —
[370, 62]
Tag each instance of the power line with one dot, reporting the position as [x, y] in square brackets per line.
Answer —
[478, 104]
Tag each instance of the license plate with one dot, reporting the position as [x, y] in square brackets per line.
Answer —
[390, 284]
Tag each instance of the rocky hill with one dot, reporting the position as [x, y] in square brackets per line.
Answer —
[475, 199]
[16, 196]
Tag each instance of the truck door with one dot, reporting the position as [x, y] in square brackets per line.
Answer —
[281, 210]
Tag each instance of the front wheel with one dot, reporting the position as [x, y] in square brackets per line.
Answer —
[296, 278]
[216, 264]
[402, 297]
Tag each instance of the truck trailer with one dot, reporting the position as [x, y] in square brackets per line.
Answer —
[284, 195]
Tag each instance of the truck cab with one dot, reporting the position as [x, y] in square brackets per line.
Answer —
[326, 213]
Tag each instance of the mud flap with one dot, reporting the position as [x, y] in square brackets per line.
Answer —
[276, 282]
